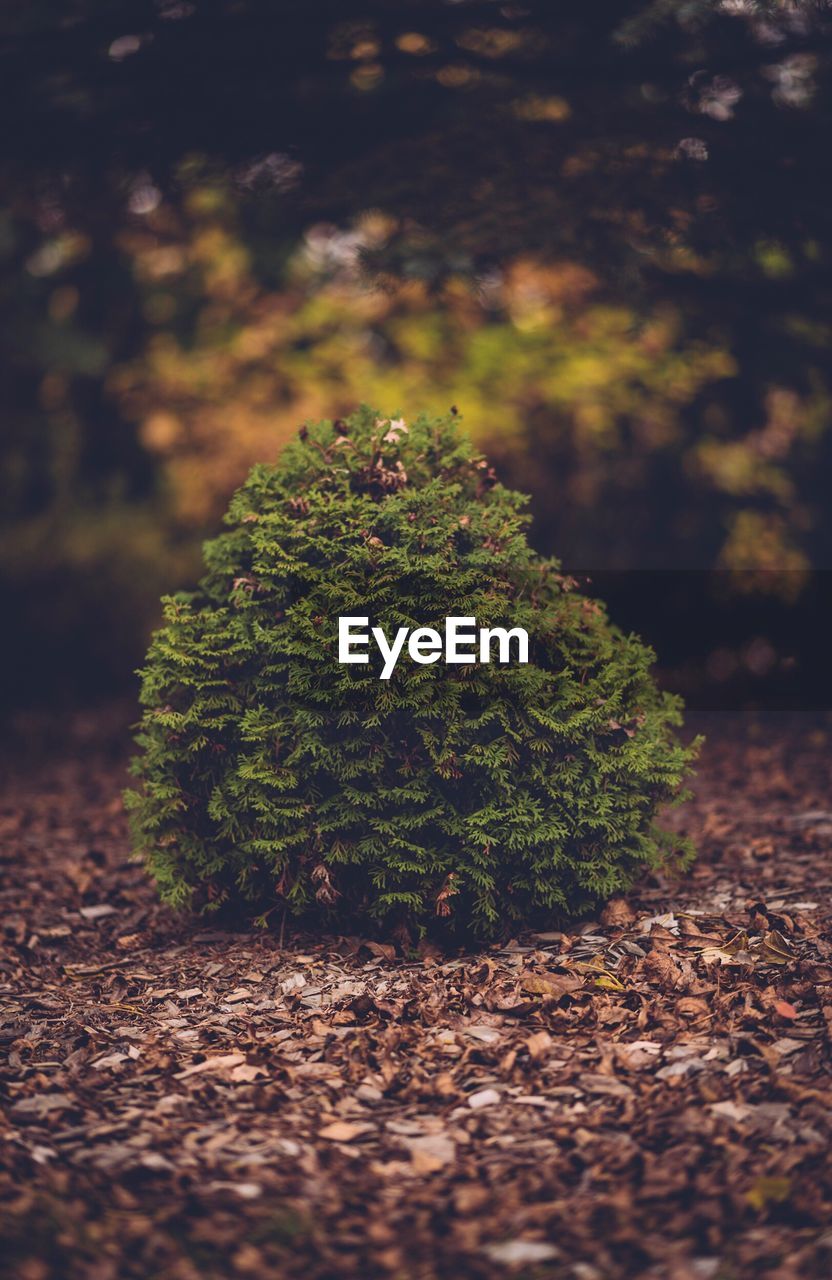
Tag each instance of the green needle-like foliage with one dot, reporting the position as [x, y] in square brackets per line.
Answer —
[477, 795]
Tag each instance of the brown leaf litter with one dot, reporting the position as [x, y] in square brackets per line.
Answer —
[645, 1094]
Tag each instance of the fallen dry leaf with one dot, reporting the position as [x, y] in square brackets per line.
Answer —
[221, 1062]
[431, 1152]
[553, 985]
[521, 1253]
[344, 1131]
[539, 1045]
[618, 914]
[484, 1098]
[765, 1191]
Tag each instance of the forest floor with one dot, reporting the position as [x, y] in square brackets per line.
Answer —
[644, 1094]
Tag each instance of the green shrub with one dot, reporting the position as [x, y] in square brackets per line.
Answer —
[478, 795]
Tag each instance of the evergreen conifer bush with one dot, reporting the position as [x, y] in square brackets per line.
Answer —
[271, 774]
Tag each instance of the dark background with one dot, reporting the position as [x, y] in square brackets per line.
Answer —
[601, 230]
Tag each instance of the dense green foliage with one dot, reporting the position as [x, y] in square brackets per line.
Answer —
[477, 794]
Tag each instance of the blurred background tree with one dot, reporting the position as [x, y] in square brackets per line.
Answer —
[600, 230]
